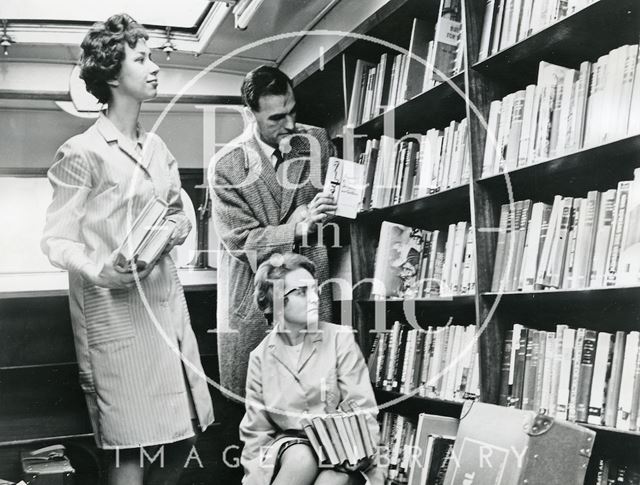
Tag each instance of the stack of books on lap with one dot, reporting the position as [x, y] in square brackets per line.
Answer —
[342, 437]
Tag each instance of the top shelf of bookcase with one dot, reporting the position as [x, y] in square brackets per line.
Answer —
[584, 35]
[434, 108]
[391, 23]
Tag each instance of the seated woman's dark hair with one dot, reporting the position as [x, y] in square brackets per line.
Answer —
[103, 52]
[276, 268]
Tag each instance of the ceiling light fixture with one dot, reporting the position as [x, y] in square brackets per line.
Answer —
[168, 47]
[244, 11]
[6, 40]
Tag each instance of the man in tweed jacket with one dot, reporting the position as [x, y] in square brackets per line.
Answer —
[266, 192]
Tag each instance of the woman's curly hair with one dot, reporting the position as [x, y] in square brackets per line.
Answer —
[276, 268]
[103, 52]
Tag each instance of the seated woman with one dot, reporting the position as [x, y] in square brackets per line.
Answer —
[302, 367]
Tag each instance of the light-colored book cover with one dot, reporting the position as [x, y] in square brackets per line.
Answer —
[345, 181]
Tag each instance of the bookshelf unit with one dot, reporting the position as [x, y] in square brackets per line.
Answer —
[584, 35]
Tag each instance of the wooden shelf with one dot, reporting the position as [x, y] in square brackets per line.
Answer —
[412, 405]
[585, 35]
[591, 294]
[429, 209]
[457, 300]
[571, 174]
[435, 108]
[602, 309]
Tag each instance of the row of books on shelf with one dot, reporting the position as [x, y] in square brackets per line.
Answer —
[340, 438]
[439, 362]
[418, 453]
[509, 21]
[415, 166]
[578, 242]
[397, 78]
[416, 263]
[576, 374]
[565, 111]
[612, 471]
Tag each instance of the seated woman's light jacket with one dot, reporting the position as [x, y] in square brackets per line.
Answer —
[330, 370]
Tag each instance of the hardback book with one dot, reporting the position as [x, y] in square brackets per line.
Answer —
[625, 400]
[417, 58]
[328, 447]
[345, 181]
[314, 439]
[587, 361]
[597, 398]
[602, 238]
[617, 231]
[628, 272]
[615, 380]
[358, 421]
[430, 427]
[148, 235]
[339, 440]
[397, 261]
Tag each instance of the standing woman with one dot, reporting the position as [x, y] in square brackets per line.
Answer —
[137, 354]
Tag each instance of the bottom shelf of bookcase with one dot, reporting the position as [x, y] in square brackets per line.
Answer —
[412, 405]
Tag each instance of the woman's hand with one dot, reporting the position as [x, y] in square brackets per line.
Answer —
[116, 277]
[362, 465]
[178, 236]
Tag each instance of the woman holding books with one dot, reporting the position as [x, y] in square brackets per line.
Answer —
[137, 355]
[302, 369]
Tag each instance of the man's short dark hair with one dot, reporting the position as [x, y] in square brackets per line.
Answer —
[103, 52]
[263, 81]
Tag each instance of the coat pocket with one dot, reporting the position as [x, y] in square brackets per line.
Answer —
[107, 315]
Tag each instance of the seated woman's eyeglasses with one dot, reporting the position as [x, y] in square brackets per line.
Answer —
[301, 291]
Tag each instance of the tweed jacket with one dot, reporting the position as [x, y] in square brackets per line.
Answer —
[330, 370]
[251, 209]
[130, 343]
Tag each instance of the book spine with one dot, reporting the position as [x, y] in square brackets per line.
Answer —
[617, 229]
[587, 361]
[615, 380]
[576, 369]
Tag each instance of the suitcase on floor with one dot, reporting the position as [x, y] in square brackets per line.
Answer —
[506, 446]
[47, 466]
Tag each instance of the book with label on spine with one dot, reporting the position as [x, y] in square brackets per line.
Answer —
[587, 362]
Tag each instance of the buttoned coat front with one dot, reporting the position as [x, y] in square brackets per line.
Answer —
[136, 350]
[251, 211]
[330, 371]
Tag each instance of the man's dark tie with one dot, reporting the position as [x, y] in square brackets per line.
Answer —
[279, 159]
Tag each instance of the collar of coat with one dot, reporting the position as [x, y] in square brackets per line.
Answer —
[111, 134]
[310, 343]
[295, 161]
